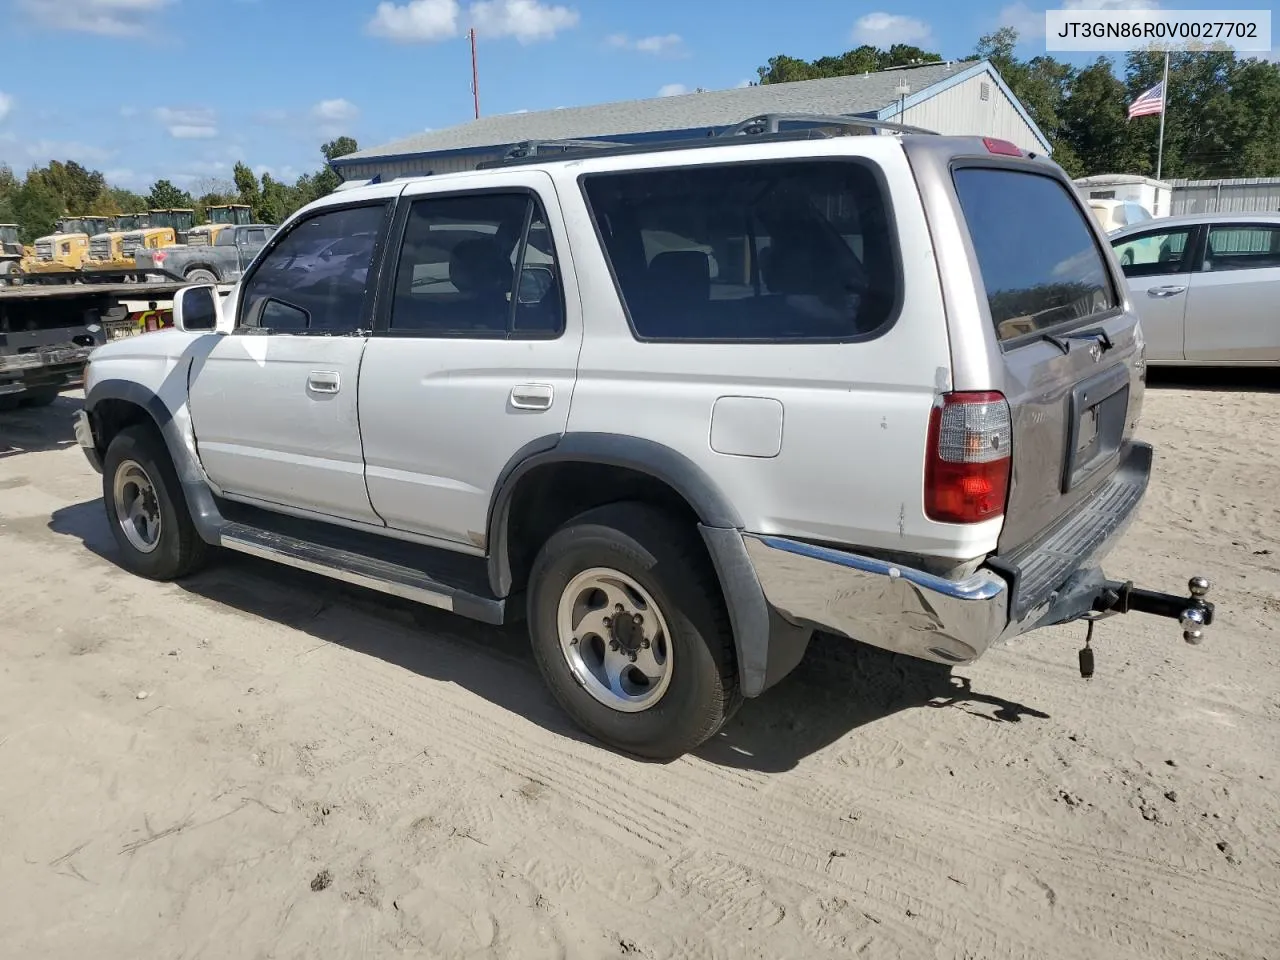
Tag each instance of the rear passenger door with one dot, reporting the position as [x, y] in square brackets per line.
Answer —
[1232, 312]
[474, 354]
[1157, 266]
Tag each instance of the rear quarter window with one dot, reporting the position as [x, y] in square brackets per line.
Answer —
[1041, 266]
[753, 252]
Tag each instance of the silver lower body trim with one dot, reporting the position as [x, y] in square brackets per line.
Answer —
[889, 606]
[388, 585]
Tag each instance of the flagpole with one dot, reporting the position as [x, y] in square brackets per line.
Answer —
[1164, 108]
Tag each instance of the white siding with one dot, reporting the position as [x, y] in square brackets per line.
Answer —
[961, 111]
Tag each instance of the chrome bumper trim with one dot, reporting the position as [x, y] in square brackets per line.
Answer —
[894, 607]
[84, 437]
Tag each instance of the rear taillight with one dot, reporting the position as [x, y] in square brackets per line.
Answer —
[966, 476]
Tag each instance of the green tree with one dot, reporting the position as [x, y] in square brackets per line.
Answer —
[37, 208]
[9, 187]
[863, 59]
[1095, 129]
[165, 196]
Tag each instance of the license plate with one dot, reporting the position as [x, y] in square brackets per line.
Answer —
[1088, 431]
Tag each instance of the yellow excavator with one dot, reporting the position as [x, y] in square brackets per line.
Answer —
[58, 256]
[112, 254]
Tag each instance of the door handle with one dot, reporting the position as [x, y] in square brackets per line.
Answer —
[1165, 291]
[324, 381]
[532, 396]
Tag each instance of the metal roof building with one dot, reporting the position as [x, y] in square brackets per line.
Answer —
[949, 98]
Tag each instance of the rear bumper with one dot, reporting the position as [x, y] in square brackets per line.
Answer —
[1052, 580]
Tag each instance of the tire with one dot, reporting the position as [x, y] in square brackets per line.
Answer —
[135, 461]
[39, 398]
[583, 568]
[201, 276]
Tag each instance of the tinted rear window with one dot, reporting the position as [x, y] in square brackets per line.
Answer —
[1040, 264]
[750, 252]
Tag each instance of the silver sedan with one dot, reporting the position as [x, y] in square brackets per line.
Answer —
[1206, 287]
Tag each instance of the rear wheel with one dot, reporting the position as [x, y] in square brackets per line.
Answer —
[201, 276]
[146, 509]
[630, 630]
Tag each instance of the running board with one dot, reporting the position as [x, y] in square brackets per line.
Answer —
[361, 571]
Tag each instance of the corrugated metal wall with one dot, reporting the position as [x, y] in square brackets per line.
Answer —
[1245, 195]
[962, 111]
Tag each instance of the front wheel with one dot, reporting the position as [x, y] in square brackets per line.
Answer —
[201, 276]
[146, 508]
[630, 630]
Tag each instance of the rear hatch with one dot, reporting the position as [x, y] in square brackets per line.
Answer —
[1065, 353]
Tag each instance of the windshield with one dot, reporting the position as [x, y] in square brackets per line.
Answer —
[8, 233]
[70, 225]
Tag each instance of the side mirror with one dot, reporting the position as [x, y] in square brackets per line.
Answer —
[196, 309]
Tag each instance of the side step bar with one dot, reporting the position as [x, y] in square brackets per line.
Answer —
[361, 571]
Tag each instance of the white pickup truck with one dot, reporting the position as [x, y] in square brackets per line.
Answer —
[678, 406]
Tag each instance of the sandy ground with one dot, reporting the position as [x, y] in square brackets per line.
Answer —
[261, 764]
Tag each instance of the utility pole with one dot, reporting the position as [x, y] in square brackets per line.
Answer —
[475, 75]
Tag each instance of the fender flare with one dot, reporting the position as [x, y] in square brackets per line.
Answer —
[204, 511]
[720, 526]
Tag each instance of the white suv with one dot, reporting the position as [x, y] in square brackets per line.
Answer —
[678, 406]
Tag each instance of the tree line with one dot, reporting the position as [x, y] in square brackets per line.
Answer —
[36, 200]
[1222, 119]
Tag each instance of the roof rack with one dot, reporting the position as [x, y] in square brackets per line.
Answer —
[763, 125]
[772, 123]
[533, 148]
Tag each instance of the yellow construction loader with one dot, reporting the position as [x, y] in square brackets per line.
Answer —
[58, 256]
[11, 255]
[240, 214]
[112, 255]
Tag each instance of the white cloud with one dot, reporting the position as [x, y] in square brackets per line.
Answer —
[128, 112]
[419, 21]
[885, 29]
[426, 21]
[525, 20]
[335, 117]
[27, 150]
[661, 45]
[184, 131]
[187, 123]
[108, 18]
[6, 105]
[1030, 22]
[673, 90]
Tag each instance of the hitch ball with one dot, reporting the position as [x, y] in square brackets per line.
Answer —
[1193, 618]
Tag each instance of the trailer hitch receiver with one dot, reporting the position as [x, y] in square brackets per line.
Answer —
[1193, 612]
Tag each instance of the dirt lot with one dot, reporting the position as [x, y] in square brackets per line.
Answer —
[260, 764]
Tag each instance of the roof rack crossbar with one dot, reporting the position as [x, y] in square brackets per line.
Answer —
[772, 123]
[533, 148]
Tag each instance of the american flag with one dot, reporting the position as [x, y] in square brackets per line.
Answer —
[1151, 101]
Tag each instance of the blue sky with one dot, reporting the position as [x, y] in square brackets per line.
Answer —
[142, 89]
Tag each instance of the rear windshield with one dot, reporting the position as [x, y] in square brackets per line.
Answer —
[1040, 264]
[789, 251]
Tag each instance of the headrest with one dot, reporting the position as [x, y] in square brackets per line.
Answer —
[478, 267]
[683, 274]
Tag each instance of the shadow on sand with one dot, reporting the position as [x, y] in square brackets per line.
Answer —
[839, 687]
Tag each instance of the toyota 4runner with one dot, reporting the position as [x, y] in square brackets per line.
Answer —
[678, 406]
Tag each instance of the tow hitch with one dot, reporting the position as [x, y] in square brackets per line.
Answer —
[1194, 613]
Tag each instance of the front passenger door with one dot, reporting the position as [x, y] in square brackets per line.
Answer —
[1157, 264]
[274, 405]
